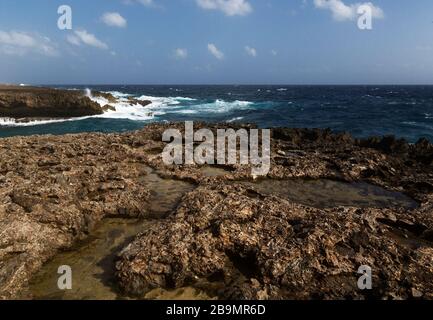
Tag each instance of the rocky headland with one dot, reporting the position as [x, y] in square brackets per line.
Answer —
[25, 103]
[229, 236]
[37, 102]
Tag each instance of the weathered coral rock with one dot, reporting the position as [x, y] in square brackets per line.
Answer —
[265, 247]
[55, 189]
[286, 250]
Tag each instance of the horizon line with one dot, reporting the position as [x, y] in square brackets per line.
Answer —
[226, 84]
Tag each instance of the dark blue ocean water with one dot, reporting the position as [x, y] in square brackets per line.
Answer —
[404, 111]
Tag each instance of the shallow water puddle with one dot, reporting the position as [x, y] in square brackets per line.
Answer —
[165, 193]
[213, 171]
[93, 260]
[324, 193]
[92, 264]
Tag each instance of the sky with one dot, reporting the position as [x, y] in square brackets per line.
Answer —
[216, 42]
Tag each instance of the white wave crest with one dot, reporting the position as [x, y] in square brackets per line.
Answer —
[126, 109]
[162, 102]
[123, 108]
[10, 122]
[235, 119]
[221, 106]
[188, 111]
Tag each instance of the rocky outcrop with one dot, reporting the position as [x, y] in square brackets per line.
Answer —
[265, 247]
[106, 95]
[55, 189]
[31, 102]
[112, 99]
[142, 103]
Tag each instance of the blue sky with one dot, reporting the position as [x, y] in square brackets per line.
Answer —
[216, 42]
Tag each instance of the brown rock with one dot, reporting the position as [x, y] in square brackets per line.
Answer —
[55, 189]
[32, 102]
[107, 107]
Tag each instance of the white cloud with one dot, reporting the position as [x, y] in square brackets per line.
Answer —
[114, 19]
[83, 37]
[229, 7]
[274, 52]
[147, 3]
[21, 43]
[341, 11]
[181, 53]
[72, 39]
[215, 51]
[251, 51]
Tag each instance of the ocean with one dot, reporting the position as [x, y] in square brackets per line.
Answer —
[403, 111]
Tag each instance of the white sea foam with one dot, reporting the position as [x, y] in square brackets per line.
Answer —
[175, 105]
[235, 119]
[221, 106]
[118, 94]
[164, 102]
[10, 122]
[127, 110]
[187, 111]
[124, 109]
[88, 93]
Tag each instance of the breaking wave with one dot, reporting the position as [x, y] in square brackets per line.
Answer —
[221, 106]
[123, 108]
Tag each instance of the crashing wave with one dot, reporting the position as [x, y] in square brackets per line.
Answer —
[10, 122]
[127, 106]
[220, 106]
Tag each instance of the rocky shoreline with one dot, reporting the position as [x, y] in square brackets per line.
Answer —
[25, 104]
[37, 102]
[249, 243]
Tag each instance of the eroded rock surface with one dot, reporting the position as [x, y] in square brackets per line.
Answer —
[55, 189]
[265, 247]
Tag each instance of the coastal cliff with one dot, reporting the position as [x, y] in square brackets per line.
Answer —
[242, 239]
[34, 102]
